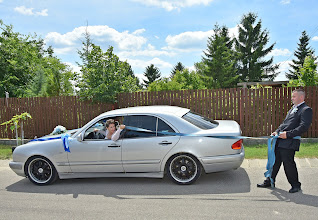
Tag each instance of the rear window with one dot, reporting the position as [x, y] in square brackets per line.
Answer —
[200, 121]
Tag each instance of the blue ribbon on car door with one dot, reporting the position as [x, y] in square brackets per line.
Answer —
[64, 138]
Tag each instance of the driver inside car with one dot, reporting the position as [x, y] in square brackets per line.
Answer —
[110, 131]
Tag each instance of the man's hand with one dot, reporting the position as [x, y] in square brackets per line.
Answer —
[274, 133]
[283, 135]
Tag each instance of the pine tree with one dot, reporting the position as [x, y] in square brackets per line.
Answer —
[219, 60]
[250, 48]
[301, 53]
[152, 73]
[178, 67]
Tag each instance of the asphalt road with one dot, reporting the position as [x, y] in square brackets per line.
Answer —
[225, 195]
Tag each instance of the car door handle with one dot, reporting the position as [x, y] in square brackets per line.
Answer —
[165, 143]
[113, 145]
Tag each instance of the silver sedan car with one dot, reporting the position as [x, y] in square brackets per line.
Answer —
[166, 140]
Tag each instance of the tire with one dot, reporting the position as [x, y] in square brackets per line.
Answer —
[184, 169]
[40, 171]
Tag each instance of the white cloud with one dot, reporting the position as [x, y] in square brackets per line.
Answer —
[188, 41]
[99, 34]
[1, 1]
[192, 40]
[42, 13]
[280, 52]
[315, 38]
[149, 52]
[285, 2]
[29, 11]
[170, 5]
[283, 68]
[65, 50]
[143, 64]
[74, 67]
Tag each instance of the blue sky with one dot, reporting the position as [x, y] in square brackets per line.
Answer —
[159, 32]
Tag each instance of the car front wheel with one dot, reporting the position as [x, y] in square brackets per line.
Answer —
[184, 169]
[40, 171]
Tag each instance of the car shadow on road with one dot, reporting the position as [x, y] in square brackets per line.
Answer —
[234, 181]
[297, 198]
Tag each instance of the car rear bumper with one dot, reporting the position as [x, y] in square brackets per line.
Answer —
[17, 167]
[222, 163]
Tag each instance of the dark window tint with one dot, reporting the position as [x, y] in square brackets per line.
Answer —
[200, 121]
[140, 121]
[163, 127]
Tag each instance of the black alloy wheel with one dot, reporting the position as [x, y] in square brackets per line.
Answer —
[40, 171]
[184, 169]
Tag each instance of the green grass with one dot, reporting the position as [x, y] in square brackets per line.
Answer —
[307, 150]
[5, 152]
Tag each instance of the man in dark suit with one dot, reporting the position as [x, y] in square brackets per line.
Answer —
[297, 121]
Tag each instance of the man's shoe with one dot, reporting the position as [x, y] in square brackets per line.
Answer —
[294, 189]
[265, 184]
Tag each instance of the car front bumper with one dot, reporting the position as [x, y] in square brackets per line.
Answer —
[17, 167]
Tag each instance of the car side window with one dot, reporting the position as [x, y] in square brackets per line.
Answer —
[140, 121]
[163, 127]
[98, 130]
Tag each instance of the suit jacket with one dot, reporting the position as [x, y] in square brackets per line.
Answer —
[295, 124]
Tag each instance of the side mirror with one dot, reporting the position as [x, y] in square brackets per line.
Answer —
[79, 137]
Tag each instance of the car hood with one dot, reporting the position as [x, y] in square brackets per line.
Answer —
[70, 132]
[225, 128]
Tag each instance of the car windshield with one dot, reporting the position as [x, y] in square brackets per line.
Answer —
[200, 121]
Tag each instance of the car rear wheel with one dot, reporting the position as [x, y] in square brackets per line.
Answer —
[40, 171]
[184, 169]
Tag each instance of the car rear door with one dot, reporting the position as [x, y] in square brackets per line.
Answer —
[142, 151]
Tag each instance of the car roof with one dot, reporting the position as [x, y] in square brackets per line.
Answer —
[154, 109]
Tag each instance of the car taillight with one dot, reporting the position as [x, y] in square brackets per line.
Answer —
[237, 145]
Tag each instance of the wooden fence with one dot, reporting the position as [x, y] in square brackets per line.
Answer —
[48, 112]
[258, 111]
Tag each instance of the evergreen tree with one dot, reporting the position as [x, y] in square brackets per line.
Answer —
[152, 73]
[219, 61]
[178, 67]
[250, 47]
[301, 53]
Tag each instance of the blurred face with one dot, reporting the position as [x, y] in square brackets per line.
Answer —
[297, 98]
[111, 128]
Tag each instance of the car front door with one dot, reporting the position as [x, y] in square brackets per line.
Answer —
[94, 153]
[144, 151]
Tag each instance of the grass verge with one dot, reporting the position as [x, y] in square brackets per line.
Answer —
[307, 150]
[5, 152]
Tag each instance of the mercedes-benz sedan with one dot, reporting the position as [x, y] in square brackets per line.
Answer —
[157, 141]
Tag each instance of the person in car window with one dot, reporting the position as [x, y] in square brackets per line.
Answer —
[111, 132]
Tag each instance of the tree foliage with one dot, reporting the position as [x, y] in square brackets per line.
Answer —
[185, 79]
[251, 50]
[152, 74]
[27, 69]
[19, 57]
[103, 76]
[178, 67]
[303, 50]
[219, 61]
[308, 75]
